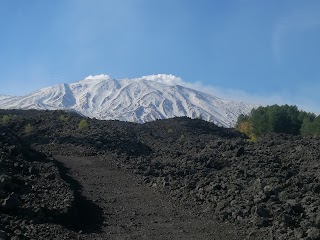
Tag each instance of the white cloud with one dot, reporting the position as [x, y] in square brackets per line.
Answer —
[98, 77]
[164, 78]
[234, 94]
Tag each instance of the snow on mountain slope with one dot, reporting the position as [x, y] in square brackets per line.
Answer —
[136, 100]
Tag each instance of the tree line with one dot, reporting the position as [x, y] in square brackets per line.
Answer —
[279, 119]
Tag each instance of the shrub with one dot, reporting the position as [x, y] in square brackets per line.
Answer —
[63, 118]
[246, 128]
[28, 128]
[5, 119]
[170, 130]
[83, 124]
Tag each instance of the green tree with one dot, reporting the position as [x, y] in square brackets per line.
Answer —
[317, 127]
[284, 119]
[310, 126]
[295, 120]
[260, 121]
[306, 127]
[279, 119]
[242, 118]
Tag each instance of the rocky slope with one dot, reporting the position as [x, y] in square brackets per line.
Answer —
[268, 189]
[33, 197]
[135, 100]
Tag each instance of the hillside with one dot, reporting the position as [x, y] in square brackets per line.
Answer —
[211, 176]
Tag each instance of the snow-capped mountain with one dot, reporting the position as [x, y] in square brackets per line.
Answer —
[136, 100]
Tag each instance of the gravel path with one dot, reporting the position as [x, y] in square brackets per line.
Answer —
[132, 210]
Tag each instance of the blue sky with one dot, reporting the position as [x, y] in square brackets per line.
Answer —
[253, 50]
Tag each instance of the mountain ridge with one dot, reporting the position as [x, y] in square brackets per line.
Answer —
[139, 100]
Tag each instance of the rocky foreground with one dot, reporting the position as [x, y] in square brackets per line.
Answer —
[266, 190]
[34, 200]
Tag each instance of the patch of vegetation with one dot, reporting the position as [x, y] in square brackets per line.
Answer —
[28, 128]
[5, 119]
[83, 124]
[63, 118]
[170, 130]
[245, 127]
[311, 126]
[278, 119]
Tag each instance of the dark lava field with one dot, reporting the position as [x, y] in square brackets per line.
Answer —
[179, 178]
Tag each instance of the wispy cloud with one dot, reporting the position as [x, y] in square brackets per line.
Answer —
[305, 99]
[300, 99]
[224, 93]
[236, 94]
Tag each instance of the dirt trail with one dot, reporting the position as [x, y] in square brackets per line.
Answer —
[132, 210]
